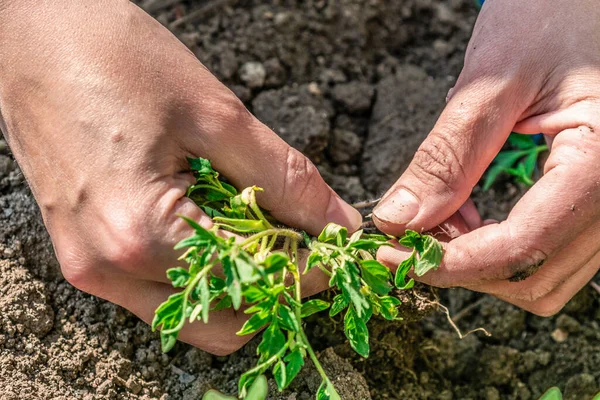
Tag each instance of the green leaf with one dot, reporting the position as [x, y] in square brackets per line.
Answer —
[179, 276]
[258, 390]
[410, 239]
[201, 167]
[254, 324]
[200, 232]
[280, 375]
[357, 333]
[366, 244]
[339, 304]
[254, 294]
[348, 280]
[204, 298]
[313, 306]
[246, 267]
[234, 287]
[521, 142]
[313, 260]
[355, 236]
[169, 313]
[333, 233]
[327, 392]
[295, 362]
[552, 394]
[224, 303]
[214, 395]
[288, 319]
[403, 268]
[431, 257]
[241, 225]
[377, 276]
[388, 307]
[211, 212]
[167, 341]
[272, 342]
[275, 263]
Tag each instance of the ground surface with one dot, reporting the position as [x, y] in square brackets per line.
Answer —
[355, 85]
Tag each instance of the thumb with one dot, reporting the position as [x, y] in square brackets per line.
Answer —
[469, 133]
[248, 153]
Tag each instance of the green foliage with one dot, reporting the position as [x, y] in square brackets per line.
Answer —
[552, 394]
[254, 272]
[519, 162]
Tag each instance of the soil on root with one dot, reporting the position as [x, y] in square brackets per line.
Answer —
[356, 86]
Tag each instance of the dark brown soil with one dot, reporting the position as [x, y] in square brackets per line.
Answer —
[356, 85]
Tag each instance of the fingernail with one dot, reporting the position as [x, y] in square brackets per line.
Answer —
[399, 208]
[342, 213]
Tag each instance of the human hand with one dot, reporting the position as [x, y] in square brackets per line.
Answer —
[101, 106]
[530, 67]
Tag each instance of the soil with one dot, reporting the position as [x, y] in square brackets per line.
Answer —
[355, 85]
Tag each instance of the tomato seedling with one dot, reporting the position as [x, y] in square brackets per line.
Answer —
[262, 272]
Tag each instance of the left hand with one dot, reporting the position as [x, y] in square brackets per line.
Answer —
[530, 67]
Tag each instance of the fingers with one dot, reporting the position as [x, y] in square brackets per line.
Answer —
[248, 153]
[554, 301]
[557, 209]
[469, 133]
[578, 255]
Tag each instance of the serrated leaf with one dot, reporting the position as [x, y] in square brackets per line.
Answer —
[211, 212]
[253, 294]
[201, 167]
[275, 262]
[272, 342]
[295, 362]
[313, 306]
[234, 287]
[340, 302]
[431, 257]
[327, 392]
[280, 375]
[377, 276]
[313, 260]
[169, 312]
[333, 233]
[247, 271]
[288, 319]
[179, 277]
[410, 239]
[357, 333]
[402, 271]
[388, 307]
[254, 324]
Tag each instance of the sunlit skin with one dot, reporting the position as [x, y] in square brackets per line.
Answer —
[101, 105]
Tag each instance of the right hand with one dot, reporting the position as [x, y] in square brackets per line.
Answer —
[101, 105]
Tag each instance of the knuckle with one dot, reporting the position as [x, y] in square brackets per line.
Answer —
[299, 177]
[125, 241]
[437, 160]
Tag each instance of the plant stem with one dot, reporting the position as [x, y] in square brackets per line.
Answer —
[275, 231]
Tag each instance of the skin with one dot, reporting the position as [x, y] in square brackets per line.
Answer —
[101, 105]
[530, 67]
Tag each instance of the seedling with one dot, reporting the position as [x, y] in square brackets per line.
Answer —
[261, 275]
[519, 162]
